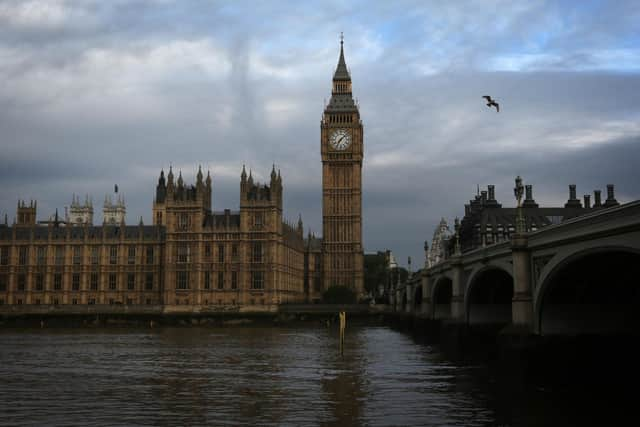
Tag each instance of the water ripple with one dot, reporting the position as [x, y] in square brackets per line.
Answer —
[233, 376]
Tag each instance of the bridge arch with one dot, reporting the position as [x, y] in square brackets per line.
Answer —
[590, 292]
[489, 295]
[441, 297]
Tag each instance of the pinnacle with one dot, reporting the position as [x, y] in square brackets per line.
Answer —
[342, 73]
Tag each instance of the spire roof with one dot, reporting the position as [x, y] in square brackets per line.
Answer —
[342, 73]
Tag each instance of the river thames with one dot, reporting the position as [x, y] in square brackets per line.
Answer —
[262, 376]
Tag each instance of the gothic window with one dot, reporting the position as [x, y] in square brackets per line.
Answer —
[131, 281]
[94, 281]
[257, 280]
[77, 255]
[220, 253]
[207, 250]
[183, 221]
[59, 255]
[23, 255]
[113, 254]
[22, 281]
[42, 255]
[182, 278]
[257, 253]
[149, 254]
[39, 282]
[234, 251]
[75, 282]
[159, 218]
[207, 280]
[4, 255]
[113, 281]
[92, 301]
[258, 220]
[220, 280]
[57, 281]
[148, 284]
[234, 280]
[183, 252]
[95, 255]
[131, 255]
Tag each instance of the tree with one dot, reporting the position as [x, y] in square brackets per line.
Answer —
[375, 272]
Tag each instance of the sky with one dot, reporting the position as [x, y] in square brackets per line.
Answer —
[97, 93]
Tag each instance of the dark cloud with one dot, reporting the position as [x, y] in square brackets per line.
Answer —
[96, 93]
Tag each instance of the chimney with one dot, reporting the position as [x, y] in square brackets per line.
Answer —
[492, 197]
[528, 200]
[587, 201]
[483, 196]
[596, 199]
[573, 202]
[492, 192]
[611, 199]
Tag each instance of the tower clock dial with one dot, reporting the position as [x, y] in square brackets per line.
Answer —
[340, 139]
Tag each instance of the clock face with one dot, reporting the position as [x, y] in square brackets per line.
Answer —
[340, 139]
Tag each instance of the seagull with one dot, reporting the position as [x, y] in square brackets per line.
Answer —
[492, 103]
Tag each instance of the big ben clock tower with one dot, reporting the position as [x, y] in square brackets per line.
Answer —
[341, 145]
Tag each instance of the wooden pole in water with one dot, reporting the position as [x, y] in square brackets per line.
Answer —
[343, 324]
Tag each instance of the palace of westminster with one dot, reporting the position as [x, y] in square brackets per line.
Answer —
[195, 257]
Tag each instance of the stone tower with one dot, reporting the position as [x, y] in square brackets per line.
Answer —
[80, 213]
[114, 213]
[341, 146]
[26, 214]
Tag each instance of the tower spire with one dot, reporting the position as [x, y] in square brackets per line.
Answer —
[342, 73]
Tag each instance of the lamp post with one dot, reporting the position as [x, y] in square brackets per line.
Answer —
[457, 248]
[518, 191]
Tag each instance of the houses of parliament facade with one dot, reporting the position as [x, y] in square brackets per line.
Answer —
[192, 256]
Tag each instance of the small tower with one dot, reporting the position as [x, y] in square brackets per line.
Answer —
[159, 205]
[79, 213]
[114, 213]
[26, 214]
[441, 233]
[300, 228]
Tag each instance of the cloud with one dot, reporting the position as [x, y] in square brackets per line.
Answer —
[96, 93]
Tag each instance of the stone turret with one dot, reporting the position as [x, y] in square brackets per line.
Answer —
[114, 213]
[79, 213]
[26, 214]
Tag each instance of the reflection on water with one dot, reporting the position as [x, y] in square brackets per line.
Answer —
[247, 376]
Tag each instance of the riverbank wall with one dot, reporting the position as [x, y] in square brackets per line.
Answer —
[150, 315]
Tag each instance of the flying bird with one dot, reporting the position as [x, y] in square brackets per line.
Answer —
[492, 103]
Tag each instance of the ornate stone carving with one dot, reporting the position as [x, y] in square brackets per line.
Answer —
[539, 263]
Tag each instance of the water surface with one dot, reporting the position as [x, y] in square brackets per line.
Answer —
[253, 376]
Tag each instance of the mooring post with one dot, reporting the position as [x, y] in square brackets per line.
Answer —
[343, 324]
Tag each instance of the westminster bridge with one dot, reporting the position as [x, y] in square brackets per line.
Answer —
[579, 277]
